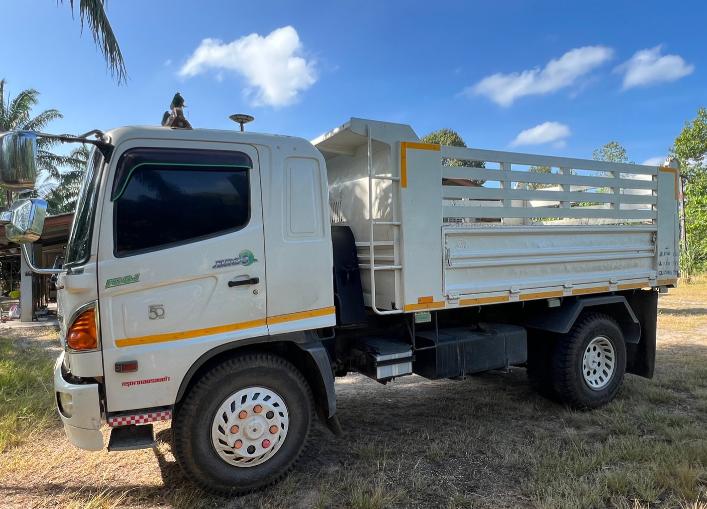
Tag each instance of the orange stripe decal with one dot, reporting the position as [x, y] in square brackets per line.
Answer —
[426, 306]
[634, 286]
[403, 165]
[422, 146]
[195, 333]
[190, 334]
[404, 145]
[674, 171]
[484, 300]
[301, 315]
[541, 295]
[595, 289]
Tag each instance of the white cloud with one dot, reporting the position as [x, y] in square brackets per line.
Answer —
[272, 65]
[649, 66]
[547, 132]
[558, 73]
[654, 161]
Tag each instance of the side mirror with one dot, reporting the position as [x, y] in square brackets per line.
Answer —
[24, 221]
[18, 159]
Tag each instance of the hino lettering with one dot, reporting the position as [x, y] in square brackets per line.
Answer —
[367, 251]
[245, 258]
[124, 280]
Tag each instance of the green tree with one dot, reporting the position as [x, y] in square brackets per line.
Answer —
[691, 150]
[691, 144]
[93, 13]
[450, 137]
[539, 169]
[16, 114]
[62, 198]
[612, 152]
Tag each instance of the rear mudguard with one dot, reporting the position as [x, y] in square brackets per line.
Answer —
[636, 314]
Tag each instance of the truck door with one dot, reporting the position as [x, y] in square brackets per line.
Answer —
[181, 264]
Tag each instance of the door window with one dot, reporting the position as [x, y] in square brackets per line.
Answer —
[167, 197]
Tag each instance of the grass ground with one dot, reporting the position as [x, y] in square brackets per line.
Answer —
[487, 441]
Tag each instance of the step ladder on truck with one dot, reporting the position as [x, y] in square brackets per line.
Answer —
[221, 280]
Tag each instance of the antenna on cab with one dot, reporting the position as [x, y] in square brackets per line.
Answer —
[241, 119]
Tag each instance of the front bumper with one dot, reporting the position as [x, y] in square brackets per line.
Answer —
[82, 422]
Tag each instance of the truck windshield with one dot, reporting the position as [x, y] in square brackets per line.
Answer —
[79, 247]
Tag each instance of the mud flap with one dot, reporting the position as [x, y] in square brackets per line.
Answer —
[640, 357]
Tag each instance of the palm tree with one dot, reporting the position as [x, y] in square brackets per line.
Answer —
[62, 198]
[93, 13]
[16, 114]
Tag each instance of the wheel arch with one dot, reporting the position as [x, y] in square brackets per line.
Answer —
[303, 349]
[560, 320]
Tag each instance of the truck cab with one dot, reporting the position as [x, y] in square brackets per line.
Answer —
[222, 279]
[183, 221]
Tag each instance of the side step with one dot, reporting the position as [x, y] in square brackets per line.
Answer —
[460, 351]
[132, 437]
[382, 359]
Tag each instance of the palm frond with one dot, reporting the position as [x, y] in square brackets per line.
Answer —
[81, 152]
[93, 13]
[46, 143]
[19, 109]
[76, 161]
[50, 163]
[60, 175]
[40, 121]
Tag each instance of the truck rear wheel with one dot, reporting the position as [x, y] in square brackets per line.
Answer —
[244, 424]
[589, 362]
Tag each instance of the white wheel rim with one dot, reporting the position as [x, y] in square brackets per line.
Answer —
[250, 426]
[598, 363]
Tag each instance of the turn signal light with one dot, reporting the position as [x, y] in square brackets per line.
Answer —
[82, 334]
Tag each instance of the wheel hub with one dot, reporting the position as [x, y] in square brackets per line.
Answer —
[250, 426]
[598, 363]
[254, 428]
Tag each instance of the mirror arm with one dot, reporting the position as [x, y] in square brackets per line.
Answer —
[104, 147]
[32, 266]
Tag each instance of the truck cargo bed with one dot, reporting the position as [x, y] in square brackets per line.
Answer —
[442, 227]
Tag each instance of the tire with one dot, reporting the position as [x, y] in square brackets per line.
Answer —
[593, 334]
[539, 364]
[204, 432]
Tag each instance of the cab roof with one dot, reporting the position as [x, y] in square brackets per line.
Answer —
[122, 134]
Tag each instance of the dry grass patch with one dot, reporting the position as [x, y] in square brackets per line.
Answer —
[26, 393]
[487, 441]
[684, 308]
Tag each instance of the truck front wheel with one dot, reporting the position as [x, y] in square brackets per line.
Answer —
[589, 362]
[244, 424]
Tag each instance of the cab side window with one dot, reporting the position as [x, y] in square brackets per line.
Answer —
[163, 198]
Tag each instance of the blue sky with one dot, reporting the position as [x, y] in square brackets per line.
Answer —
[543, 77]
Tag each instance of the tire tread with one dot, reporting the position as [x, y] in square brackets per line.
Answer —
[566, 379]
[181, 433]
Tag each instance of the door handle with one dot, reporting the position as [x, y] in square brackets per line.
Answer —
[244, 282]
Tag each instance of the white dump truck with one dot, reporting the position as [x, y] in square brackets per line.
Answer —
[223, 279]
